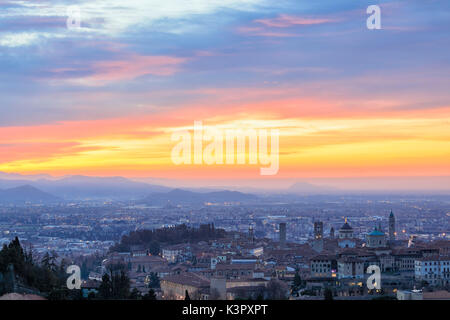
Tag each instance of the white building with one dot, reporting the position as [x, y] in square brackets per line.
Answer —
[346, 236]
[434, 270]
[173, 253]
[409, 295]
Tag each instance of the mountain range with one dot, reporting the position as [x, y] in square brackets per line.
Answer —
[82, 188]
[89, 188]
[26, 194]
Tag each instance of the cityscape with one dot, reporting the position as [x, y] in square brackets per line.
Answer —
[224, 158]
[292, 246]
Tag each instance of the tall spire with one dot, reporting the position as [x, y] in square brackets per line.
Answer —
[391, 226]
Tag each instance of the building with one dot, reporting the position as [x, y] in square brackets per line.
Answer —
[323, 266]
[318, 230]
[350, 268]
[409, 295]
[145, 264]
[332, 233]
[436, 295]
[253, 250]
[282, 233]
[235, 271]
[433, 270]
[317, 243]
[173, 253]
[391, 226]
[90, 286]
[174, 287]
[346, 236]
[376, 238]
[251, 234]
[405, 260]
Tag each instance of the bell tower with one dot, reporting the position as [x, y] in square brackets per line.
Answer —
[391, 226]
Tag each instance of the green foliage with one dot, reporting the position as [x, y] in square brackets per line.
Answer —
[154, 280]
[115, 284]
[150, 295]
[328, 294]
[297, 283]
[135, 294]
[47, 278]
[154, 247]
[175, 235]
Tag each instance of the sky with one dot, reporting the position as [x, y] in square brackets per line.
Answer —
[104, 99]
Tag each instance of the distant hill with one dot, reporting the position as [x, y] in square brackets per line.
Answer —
[90, 188]
[179, 196]
[114, 188]
[18, 176]
[25, 194]
[308, 188]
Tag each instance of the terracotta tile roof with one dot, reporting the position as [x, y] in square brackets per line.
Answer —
[18, 296]
[188, 278]
[436, 295]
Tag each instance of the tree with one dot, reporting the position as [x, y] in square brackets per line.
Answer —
[154, 280]
[186, 297]
[105, 289]
[154, 248]
[115, 285]
[297, 283]
[276, 290]
[48, 278]
[328, 294]
[135, 294]
[150, 295]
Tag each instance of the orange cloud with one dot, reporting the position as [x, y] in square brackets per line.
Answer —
[318, 137]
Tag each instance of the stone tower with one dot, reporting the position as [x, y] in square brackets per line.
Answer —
[391, 226]
[317, 243]
[318, 230]
[282, 233]
[251, 234]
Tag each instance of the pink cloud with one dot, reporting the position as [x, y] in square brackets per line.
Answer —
[285, 21]
[136, 66]
[127, 68]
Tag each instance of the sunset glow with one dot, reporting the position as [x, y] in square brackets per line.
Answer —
[104, 100]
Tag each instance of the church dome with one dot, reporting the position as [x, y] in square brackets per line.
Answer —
[346, 226]
[376, 233]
